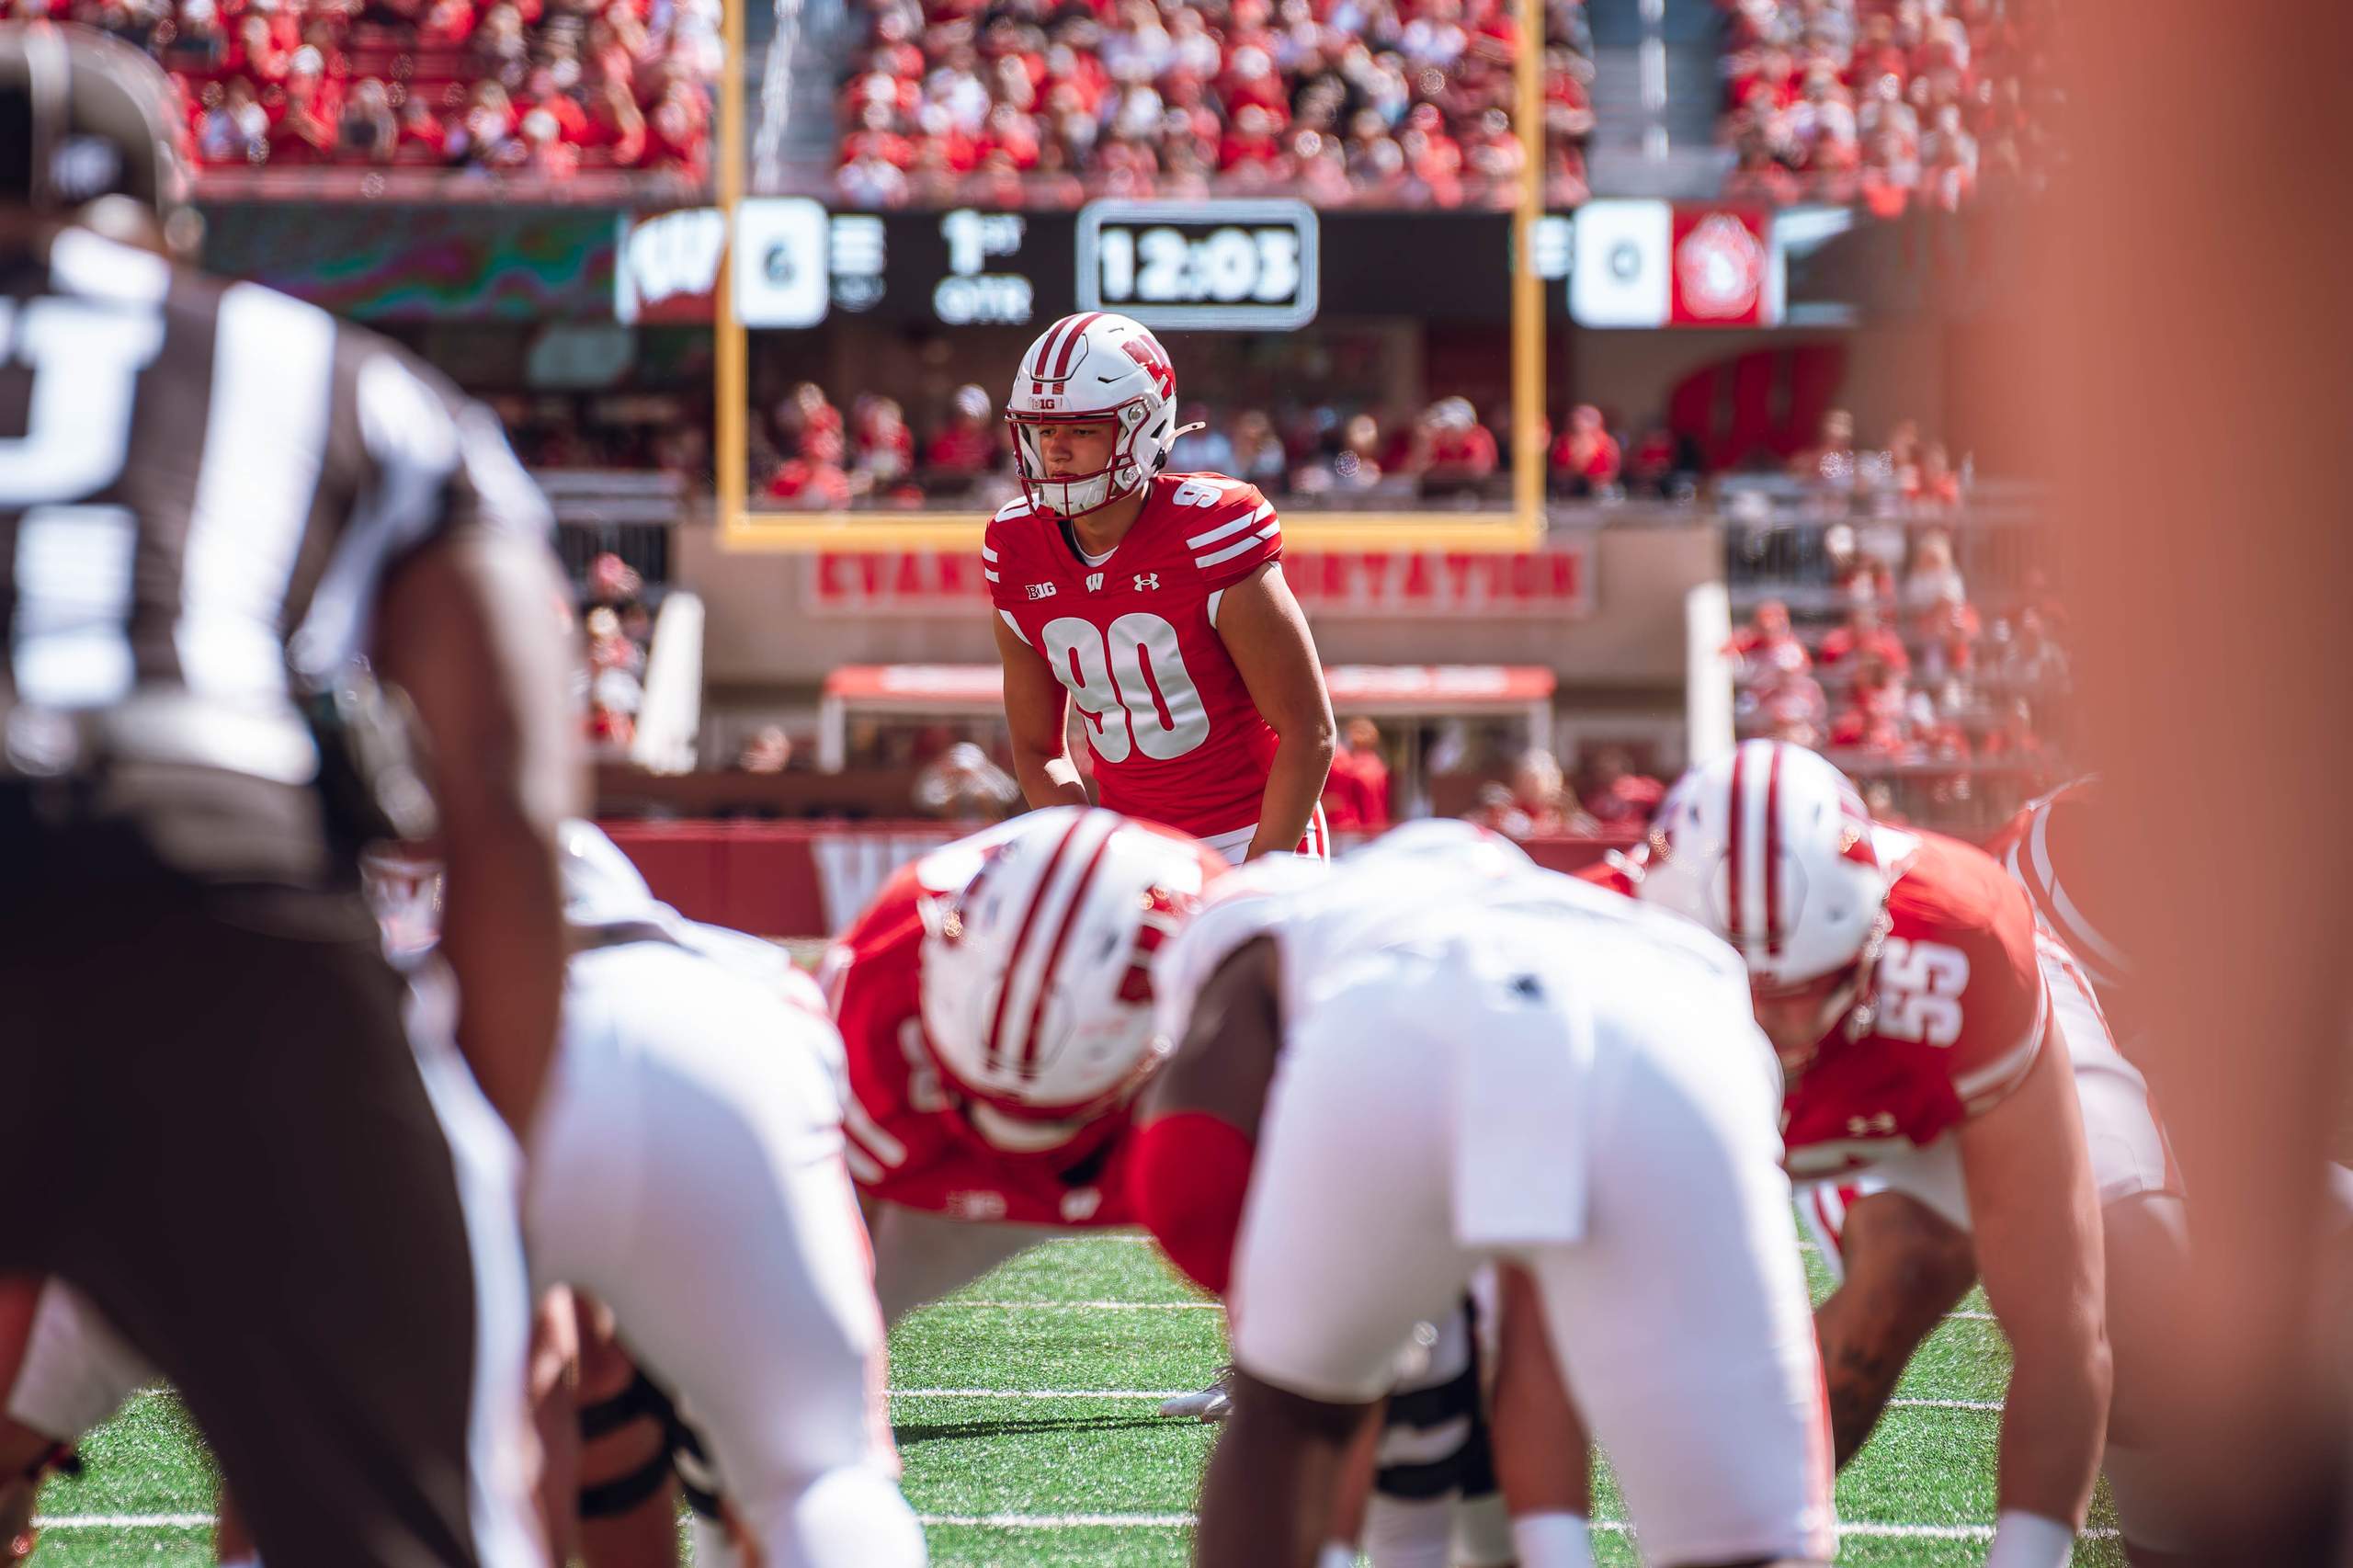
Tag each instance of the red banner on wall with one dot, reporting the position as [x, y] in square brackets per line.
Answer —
[1550, 582]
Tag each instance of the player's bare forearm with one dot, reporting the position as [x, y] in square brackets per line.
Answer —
[1048, 780]
[1294, 783]
[1268, 1496]
[1265, 631]
[1036, 709]
[2036, 1211]
[1905, 1268]
[468, 628]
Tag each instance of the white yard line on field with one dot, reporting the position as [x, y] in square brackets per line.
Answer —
[996, 1305]
[1986, 1407]
[1084, 1306]
[1860, 1530]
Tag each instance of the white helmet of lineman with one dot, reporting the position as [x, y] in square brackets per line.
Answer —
[601, 885]
[1094, 366]
[1769, 846]
[1037, 978]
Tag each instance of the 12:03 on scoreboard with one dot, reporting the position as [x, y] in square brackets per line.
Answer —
[1230, 266]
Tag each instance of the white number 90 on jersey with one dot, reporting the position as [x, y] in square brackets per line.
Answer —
[1223, 266]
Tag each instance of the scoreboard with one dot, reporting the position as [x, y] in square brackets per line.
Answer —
[1223, 266]
[1241, 265]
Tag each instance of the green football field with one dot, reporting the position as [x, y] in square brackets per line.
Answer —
[1025, 1408]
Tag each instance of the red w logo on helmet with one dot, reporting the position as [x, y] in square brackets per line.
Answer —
[1147, 352]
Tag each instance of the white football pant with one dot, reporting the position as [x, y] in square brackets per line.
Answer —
[687, 1168]
[1668, 1270]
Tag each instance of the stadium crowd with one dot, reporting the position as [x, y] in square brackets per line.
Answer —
[543, 87]
[1376, 102]
[1886, 102]
[810, 452]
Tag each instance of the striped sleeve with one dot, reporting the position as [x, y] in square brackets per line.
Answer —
[1241, 535]
[997, 548]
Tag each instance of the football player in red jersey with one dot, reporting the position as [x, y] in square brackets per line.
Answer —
[996, 1002]
[1900, 977]
[1154, 600]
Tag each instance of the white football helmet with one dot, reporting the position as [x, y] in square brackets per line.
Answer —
[601, 885]
[1770, 847]
[1093, 365]
[1036, 977]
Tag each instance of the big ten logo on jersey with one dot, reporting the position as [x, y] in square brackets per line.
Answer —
[1129, 681]
[1921, 989]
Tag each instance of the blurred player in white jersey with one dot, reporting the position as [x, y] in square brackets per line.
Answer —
[694, 1109]
[1417, 1071]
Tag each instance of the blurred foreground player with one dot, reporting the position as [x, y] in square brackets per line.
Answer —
[1434, 1072]
[1155, 602]
[695, 1094]
[211, 499]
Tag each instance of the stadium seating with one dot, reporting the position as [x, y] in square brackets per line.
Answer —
[536, 89]
[1403, 103]
[1891, 103]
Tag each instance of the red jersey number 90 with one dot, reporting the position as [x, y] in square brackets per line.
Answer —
[1920, 987]
[1129, 679]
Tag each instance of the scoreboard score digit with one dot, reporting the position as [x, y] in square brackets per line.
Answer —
[1217, 265]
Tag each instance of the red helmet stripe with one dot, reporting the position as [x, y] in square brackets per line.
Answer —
[1057, 336]
[1020, 939]
[1773, 922]
[1070, 345]
[1732, 846]
[1054, 954]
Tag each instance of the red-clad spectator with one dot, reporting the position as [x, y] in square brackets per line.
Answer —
[255, 55]
[1252, 139]
[1767, 641]
[1535, 803]
[1616, 795]
[970, 444]
[423, 135]
[1356, 792]
[308, 121]
[540, 147]
[1448, 446]
[1935, 487]
[447, 24]
[877, 138]
[1587, 459]
[886, 447]
[543, 93]
[1864, 639]
[815, 481]
[616, 126]
[1012, 132]
[678, 130]
[1830, 461]
[1874, 718]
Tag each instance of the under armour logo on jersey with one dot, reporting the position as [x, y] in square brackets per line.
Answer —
[1147, 580]
[1041, 590]
[1093, 581]
[1881, 1125]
